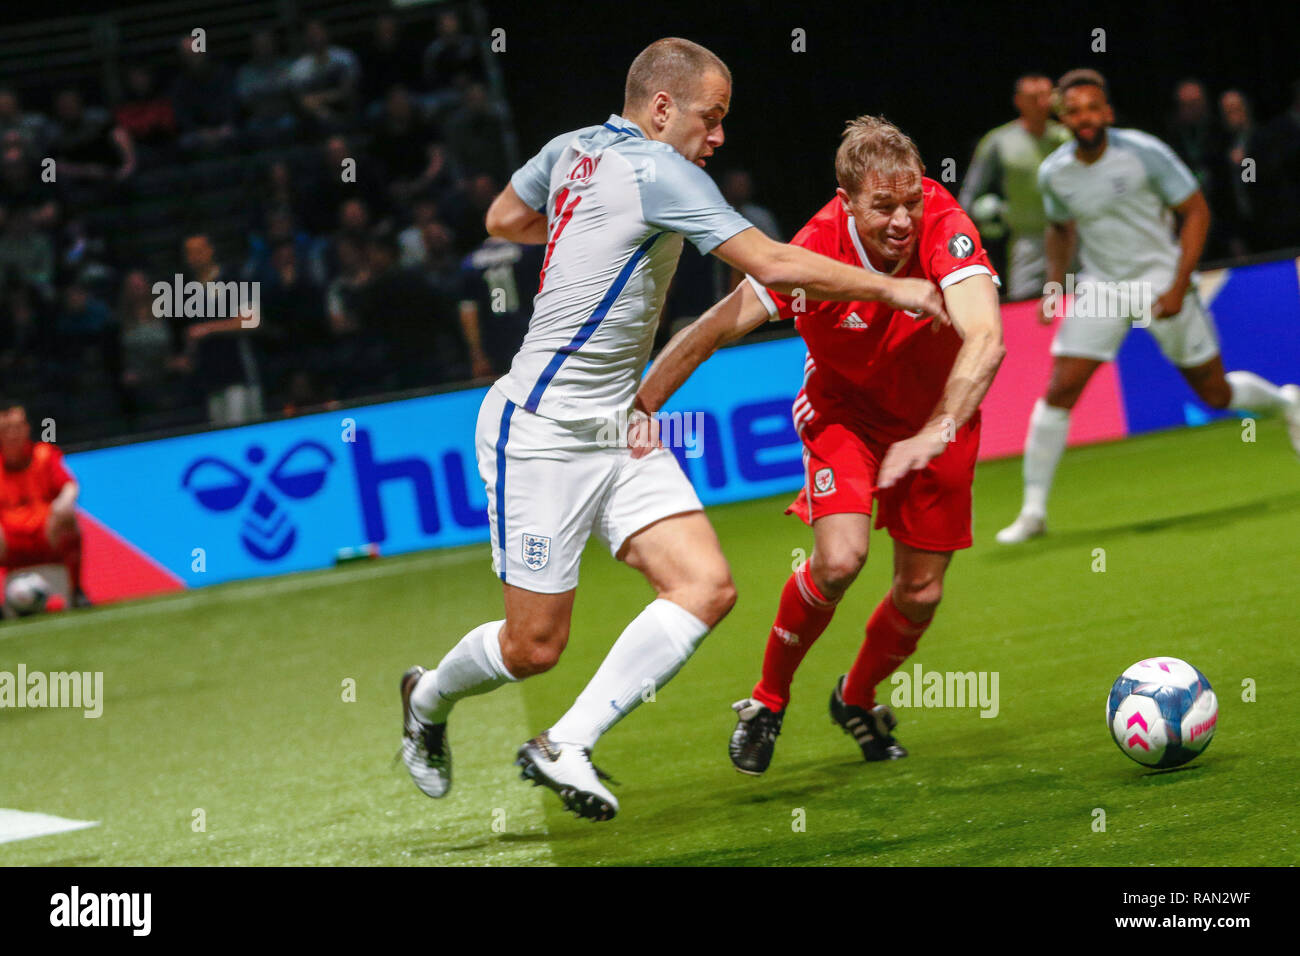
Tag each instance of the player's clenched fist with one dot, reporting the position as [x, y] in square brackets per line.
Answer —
[919, 296]
[642, 433]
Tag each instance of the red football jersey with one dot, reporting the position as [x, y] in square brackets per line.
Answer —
[26, 492]
[869, 366]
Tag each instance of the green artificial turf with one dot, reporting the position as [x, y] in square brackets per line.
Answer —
[230, 700]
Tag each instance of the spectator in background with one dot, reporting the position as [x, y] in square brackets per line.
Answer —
[354, 224]
[441, 264]
[293, 329]
[26, 253]
[417, 322]
[355, 362]
[475, 133]
[325, 79]
[439, 180]
[401, 141]
[204, 96]
[83, 252]
[329, 190]
[21, 188]
[410, 241]
[1235, 208]
[147, 115]
[91, 152]
[26, 332]
[498, 283]
[1190, 131]
[1276, 192]
[275, 190]
[31, 130]
[152, 374]
[1006, 163]
[292, 303]
[219, 348]
[1194, 135]
[345, 291]
[265, 91]
[390, 59]
[87, 334]
[452, 54]
[280, 228]
[738, 190]
[468, 211]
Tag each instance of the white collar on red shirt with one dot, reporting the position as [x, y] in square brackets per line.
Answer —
[862, 253]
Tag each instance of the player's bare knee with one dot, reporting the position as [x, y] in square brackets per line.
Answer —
[719, 599]
[918, 597]
[530, 660]
[834, 571]
[709, 596]
[532, 649]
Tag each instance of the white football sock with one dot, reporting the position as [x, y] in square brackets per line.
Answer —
[643, 659]
[1254, 394]
[1049, 427]
[473, 666]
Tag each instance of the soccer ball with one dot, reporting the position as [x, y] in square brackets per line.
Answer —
[987, 213]
[1162, 712]
[26, 593]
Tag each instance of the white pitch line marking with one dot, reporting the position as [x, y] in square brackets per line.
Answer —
[21, 825]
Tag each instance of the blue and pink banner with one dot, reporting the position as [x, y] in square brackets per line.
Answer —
[286, 496]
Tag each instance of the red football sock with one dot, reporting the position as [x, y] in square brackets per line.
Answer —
[891, 639]
[800, 620]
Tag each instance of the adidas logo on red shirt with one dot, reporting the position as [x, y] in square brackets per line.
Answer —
[852, 321]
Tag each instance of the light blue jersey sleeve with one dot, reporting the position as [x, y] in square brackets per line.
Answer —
[1055, 209]
[679, 196]
[1169, 175]
[532, 180]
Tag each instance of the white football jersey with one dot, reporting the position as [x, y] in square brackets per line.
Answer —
[617, 206]
[1119, 205]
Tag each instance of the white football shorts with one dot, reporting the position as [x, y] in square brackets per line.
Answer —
[1187, 340]
[551, 485]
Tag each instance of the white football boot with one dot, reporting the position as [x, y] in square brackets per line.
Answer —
[425, 749]
[568, 771]
[1025, 526]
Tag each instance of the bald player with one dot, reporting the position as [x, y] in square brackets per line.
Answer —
[612, 203]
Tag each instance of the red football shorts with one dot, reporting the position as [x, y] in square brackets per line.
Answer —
[26, 538]
[928, 509]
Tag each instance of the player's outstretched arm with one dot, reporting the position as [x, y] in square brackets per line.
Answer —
[973, 306]
[736, 315]
[785, 268]
[509, 217]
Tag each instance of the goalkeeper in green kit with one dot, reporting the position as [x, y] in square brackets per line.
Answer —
[1006, 165]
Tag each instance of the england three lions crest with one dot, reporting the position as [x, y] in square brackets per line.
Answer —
[537, 551]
